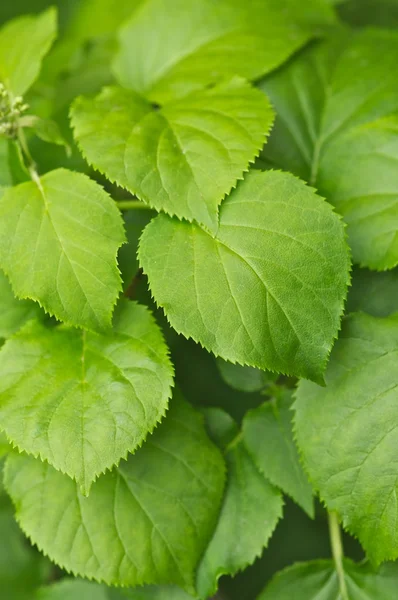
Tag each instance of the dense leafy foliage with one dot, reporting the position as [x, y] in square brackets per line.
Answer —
[198, 299]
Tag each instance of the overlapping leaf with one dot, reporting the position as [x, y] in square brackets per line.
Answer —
[251, 509]
[374, 293]
[59, 238]
[267, 434]
[13, 312]
[244, 379]
[183, 158]
[348, 432]
[148, 521]
[337, 127]
[168, 50]
[318, 579]
[268, 289]
[82, 400]
[24, 42]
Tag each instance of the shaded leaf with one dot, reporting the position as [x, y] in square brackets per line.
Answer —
[268, 436]
[13, 312]
[249, 514]
[211, 41]
[338, 127]
[148, 521]
[374, 293]
[318, 579]
[244, 379]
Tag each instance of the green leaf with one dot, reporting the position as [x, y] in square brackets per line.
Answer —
[221, 427]
[13, 313]
[75, 589]
[182, 159]
[12, 168]
[374, 293]
[348, 432]
[268, 436]
[244, 379]
[150, 592]
[22, 569]
[93, 398]
[374, 13]
[251, 509]
[148, 521]
[134, 223]
[5, 447]
[59, 238]
[337, 127]
[24, 42]
[47, 130]
[267, 291]
[169, 50]
[69, 589]
[318, 579]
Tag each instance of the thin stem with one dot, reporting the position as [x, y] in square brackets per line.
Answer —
[132, 205]
[338, 552]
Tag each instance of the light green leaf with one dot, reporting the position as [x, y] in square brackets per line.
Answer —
[148, 521]
[374, 293]
[244, 379]
[268, 436]
[12, 168]
[251, 509]
[59, 238]
[13, 312]
[182, 159]
[337, 127]
[318, 579]
[169, 50]
[47, 130]
[93, 398]
[348, 432]
[24, 42]
[267, 291]
[5, 447]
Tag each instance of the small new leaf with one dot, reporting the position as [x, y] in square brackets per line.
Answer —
[59, 238]
[268, 435]
[24, 42]
[266, 291]
[182, 159]
[92, 397]
[146, 522]
[318, 580]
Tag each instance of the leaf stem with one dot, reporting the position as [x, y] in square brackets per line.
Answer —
[338, 552]
[132, 205]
